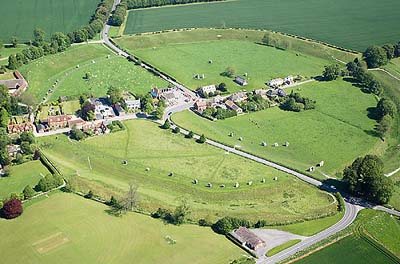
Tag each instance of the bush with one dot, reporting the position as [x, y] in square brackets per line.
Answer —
[190, 134]
[167, 124]
[260, 223]
[89, 195]
[176, 130]
[28, 192]
[204, 222]
[12, 209]
[341, 205]
[202, 139]
[227, 224]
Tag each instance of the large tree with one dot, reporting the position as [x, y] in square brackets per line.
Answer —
[365, 178]
[12, 209]
[331, 72]
[375, 57]
[384, 107]
[38, 36]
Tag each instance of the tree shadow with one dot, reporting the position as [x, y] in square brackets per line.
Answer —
[372, 113]
[372, 133]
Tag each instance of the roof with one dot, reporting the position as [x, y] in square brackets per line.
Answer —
[13, 83]
[200, 103]
[75, 122]
[232, 105]
[132, 101]
[59, 118]
[244, 235]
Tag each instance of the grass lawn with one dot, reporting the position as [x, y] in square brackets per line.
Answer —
[97, 161]
[115, 71]
[49, 15]
[337, 131]
[282, 247]
[394, 67]
[261, 63]
[70, 107]
[66, 228]
[338, 22]
[351, 249]
[6, 76]
[7, 51]
[20, 176]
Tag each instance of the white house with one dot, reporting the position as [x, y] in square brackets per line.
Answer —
[276, 82]
[205, 90]
[132, 104]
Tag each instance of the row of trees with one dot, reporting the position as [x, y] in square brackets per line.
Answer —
[176, 217]
[296, 103]
[219, 113]
[134, 4]
[385, 111]
[274, 40]
[119, 14]
[364, 78]
[365, 178]
[376, 56]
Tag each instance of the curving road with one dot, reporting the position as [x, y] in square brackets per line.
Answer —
[352, 207]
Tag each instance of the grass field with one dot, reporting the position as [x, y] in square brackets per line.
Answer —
[339, 22]
[351, 249]
[144, 145]
[5, 52]
[20, 176]
[104, 73]
[282, 247]
[49, 15]
[43, 73]
[66, 228]
[261, 63]
[337, 131]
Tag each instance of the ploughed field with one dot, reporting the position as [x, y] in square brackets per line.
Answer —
[164, 165]
[20, 17]
[336, 132]
[355, 25]
[66, 228]
[70, 68]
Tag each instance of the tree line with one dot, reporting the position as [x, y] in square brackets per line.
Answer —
[119, 14]
[377, 56]
[134, 4]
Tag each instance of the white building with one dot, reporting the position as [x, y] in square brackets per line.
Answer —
[205, 90]
[132, 104]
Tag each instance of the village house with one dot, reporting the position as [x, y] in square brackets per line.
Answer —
[276, 82]
[231, 105]
[15, 86]
[247, 238]
[60, 121]
[238, 97]
[156, 92]
[13, 150]
[132, 104]
[78, 123]
[241, 81]
[19, 128]
[200, 105]
[276, 92]
[206, 90]
[96, 127]
[102, 108]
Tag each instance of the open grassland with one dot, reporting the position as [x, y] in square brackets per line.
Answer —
[104, 73]
[352, 250]
[337, 131]
[143, 145]
[66, 228]
[394, 67]
[260, 63]
[92, 59]
[355, 25]
[20, 176]
[19, 18]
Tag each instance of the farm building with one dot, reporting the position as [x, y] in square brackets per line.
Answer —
[156, 93]
[247, 238]
[15, 86]
[231, 105]
[241, 81]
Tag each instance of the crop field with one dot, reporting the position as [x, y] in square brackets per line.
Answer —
[341, 22]
[19, 18]
[260, 63]
[143, 145]
[66, 228]
[337, 131]
[104, 68]
[20, 176]
[351, 249]
[115, 71]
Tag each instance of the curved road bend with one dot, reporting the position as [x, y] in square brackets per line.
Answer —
[351, 209]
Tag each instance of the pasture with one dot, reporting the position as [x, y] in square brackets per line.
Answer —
[173, 163]
[66, 228]
[336, 132]
[260, 63]
[352, 249]
[354, 25]
[105, 69]
[20, 176]
[19, 18]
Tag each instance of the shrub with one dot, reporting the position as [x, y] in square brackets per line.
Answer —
[190, 134]
[260, 223]
[12, 209]
[339, 197]
[176, 130]
[167, 124]
[89, 195]
[202, 139]
[28, 192]
[204, 222]
[227, 224]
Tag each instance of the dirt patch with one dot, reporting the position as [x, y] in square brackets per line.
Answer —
[50, 243]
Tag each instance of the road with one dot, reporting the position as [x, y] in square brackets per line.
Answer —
[351, 209]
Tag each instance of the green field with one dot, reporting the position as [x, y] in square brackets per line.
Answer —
[5, 52]
[66, 228]
[282, 247]
[20, 176]
[337, 131]
[355, 25]
[42, 74]
[351, 250]
[19, 18]
[261, 63]
[104, 73]
[143, 145]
